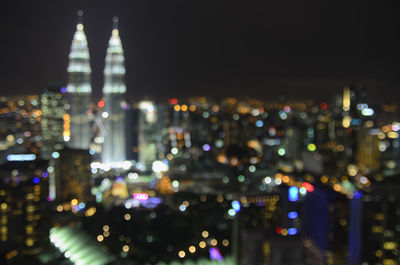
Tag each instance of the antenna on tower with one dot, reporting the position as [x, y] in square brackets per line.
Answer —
[115, 22]
[80, 16]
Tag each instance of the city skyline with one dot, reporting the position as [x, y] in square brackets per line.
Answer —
[261, 50]
[318, 179]
[184, 133]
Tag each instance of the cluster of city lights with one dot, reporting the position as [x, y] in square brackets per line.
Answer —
[76, 207]
[203, 243]
[126, 165]
[342, 185]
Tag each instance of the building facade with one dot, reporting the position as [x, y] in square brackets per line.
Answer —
[79, 92]
[52, 122]
[114, 147]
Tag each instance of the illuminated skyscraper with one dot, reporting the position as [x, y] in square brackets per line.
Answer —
[52, 106]
[79, 91]
[23, 191]
[147, 134]
[114, 91]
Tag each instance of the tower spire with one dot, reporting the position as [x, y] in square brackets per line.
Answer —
[115, 31]
[80, 16]
[115, 22]
[114, 70]
[79, 62]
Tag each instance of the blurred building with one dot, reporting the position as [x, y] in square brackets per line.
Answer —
[72, 175]
[147, 134]
[52, 123]
[114, 146]
[389, 146]
[131, 132]
[381, 224]
[23, 223]
[79, 92]
[266, 236]
[325, 228]
[368, 156]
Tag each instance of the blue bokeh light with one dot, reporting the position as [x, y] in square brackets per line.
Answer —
[293, 194]
[357, 194]
[293, 215]
[236, 206]
[292, 231]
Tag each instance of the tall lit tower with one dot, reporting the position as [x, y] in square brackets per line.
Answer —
[79, 90]
[114, 91]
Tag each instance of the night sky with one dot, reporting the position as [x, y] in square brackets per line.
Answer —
[263, 49]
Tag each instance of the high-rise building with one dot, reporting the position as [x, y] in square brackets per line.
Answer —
[328, 218]
[131, 130]
[79, 91]
[23, 191]
[52, 123]
[147, 134]
[72, 175]
[380, 224]
[114, 90]
[368, 155]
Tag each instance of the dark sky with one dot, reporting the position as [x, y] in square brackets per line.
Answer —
[299, 49]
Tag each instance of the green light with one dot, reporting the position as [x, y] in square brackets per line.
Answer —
[77, 246]
[240, 178]
[281, 151]
[303, 191]
[311, 147]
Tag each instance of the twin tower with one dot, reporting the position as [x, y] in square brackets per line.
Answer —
[79, 91]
